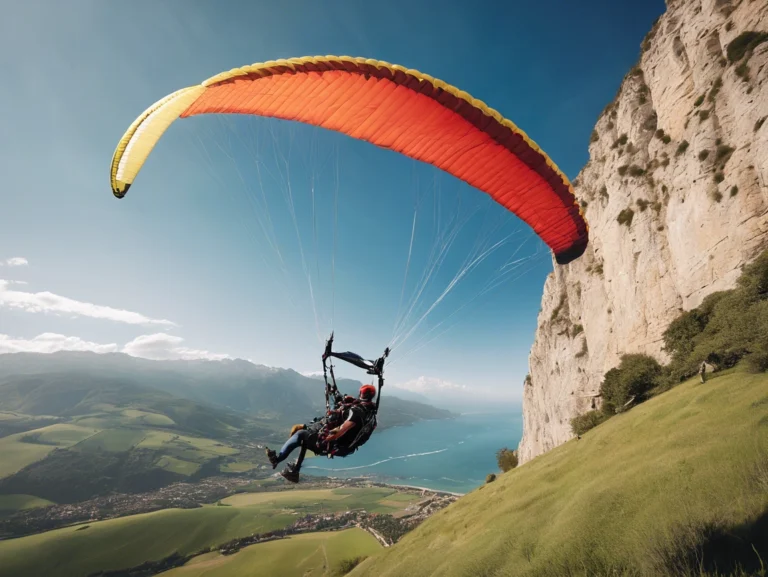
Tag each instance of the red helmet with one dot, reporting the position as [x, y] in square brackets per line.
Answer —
[367, 392]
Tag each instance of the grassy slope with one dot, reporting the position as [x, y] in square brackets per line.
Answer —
[616, 499]
[16, 454]
[129, 541]
[310, 555]
[21, 502]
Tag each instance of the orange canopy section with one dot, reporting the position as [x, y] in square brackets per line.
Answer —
[392, 107]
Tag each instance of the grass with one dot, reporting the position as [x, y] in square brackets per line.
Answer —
[310, 555]
[642, 494]
[22, 502]
[373, 500]
[237, 467]
[130, 541]
[178, 466]
[114, 440]
[147, 418]
[17, 454]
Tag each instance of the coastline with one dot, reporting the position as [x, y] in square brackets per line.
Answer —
[439, 492]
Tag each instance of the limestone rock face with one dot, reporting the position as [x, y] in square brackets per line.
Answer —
[676, 193]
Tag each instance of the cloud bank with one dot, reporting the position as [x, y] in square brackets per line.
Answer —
[161, 346]
[157, 347]
[47, 302]
[51, 343]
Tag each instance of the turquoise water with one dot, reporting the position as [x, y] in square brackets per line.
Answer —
[447, 455]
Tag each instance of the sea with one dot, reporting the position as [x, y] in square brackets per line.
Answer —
[452, 455]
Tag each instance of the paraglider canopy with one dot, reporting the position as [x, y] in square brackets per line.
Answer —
[392, 107]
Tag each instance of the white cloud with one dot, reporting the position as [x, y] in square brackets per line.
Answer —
[47, 302]
[161, 346]
[51, 343]
[430, 385]
[15, 281]
[312, 374]
[17, 261]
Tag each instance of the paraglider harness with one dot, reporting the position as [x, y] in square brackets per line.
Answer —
[336, 405]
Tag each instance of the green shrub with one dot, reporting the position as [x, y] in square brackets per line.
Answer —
[626, 216]
[681, 148]
[699, 100]
[734, 190]
[623, 169]
[719, 177]
[610, 125]
[558, 308]
[594, 137]
[346, 565]
[490, 477]
[660, 133]
[717, 196]
[703, 154]
[754, 280]
[678, 338]
[642, 204]
[703, 115]
[743, 43]
[635, 170]
[506, 459]
[742, 71]
[757, 362]
[715, 89]
[587, 421]
[584, 349]
[577, 329]
[726, 327]
[723, 153]
[583, 203]
[666, 139]
[759, 124]
[635, 376]
[604, 192]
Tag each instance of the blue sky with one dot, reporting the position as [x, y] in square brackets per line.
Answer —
[182, 267]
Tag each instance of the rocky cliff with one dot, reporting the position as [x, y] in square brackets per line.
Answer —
[676, 196]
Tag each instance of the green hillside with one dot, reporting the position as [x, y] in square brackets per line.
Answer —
[311, 555]
[125, 542]
[78, 425]
[676, 486]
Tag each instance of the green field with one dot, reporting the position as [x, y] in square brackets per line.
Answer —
[21, 502]
[310, 555]
[186, 448]
[15, 454]
[237, 467]
[129, 541]
[177, 466]
[115, 440]
[134, 416]
[658, 490]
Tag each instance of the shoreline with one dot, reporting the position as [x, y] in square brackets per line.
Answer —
[440, 492]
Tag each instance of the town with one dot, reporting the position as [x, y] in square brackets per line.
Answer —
[212, 490]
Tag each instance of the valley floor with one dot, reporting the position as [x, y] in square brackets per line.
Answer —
[230, 528]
